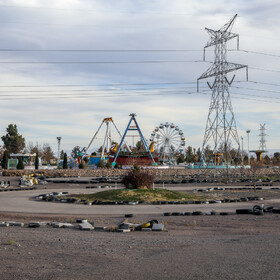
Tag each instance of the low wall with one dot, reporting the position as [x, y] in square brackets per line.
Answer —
[157, 172]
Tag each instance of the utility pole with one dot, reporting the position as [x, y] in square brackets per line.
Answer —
[221, 127]
[248, 132]
[242, 148]
[58, 149]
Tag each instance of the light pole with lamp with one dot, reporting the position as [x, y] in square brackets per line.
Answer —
[248, 132]
[58, 149]
[242, 152]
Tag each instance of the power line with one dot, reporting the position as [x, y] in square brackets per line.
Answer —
[88, 96]
[123, 62]
[91, 90]
[101, 62]
[263, 69]
[92, 11]
[127, 50]
[256, 89]
[97, 50]
[261, 83]
[136, 90]
[108, 26]
[261, 53]
[253, 95]
[133, 94]
[253, 99]
[99, 85]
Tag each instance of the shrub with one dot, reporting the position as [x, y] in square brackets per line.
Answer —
[20, 164]
[100, 164]
[5, 160]
[37, 161]
[65, 162]
[108, 164]
[81, 166]
[136, 167]
[138, 180]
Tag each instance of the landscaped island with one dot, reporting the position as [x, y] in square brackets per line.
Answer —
[145, 195]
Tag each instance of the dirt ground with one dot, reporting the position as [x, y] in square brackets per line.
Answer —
[192, 247]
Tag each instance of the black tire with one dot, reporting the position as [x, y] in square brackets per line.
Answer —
[175, 214]
[224, 213]
[258, 212]
[167, 214]
[187, 213]
[268, 209]
[128, 215]
[197, 213]
[276, 211]
[243, 211]
[257, 208]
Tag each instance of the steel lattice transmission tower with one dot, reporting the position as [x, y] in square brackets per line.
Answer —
[221, 127]
[262, 137]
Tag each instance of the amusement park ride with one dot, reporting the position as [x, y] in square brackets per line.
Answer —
[142, 158]
[169, 141]
[107, 143]
[166, 141]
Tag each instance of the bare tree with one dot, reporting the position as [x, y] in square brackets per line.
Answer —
[34, 149]
[48, 153]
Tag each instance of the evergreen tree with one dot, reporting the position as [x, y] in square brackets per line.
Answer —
[20, 163]
[180, 159]
[108, 164]
[276, 156]
[37, 161]
[5, 160]
[189, 154]
[13, 141]
[198, 155]
[65, 162]
[100, 164]
[208, 153]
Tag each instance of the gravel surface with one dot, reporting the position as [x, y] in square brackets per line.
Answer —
[215, 247]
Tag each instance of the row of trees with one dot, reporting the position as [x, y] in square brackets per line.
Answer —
[195, 155]
[44, 152]
[14, 143]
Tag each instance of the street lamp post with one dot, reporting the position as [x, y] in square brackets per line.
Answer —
[242, 148]
[248, 132]
[58, 149]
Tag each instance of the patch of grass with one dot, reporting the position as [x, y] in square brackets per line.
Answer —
[11, 242]
[146, 195]
[192, 223]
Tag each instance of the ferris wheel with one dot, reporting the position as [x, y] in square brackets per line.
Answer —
[169, 140]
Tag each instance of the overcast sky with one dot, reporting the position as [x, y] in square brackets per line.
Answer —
[70, 100]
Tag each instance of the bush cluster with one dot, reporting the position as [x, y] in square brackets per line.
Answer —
[137, 179]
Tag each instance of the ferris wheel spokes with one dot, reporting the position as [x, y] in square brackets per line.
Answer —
[169, 140]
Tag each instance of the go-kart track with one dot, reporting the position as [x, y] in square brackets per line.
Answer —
[24, 202]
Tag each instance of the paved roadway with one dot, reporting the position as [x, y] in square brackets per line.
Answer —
[20, 202]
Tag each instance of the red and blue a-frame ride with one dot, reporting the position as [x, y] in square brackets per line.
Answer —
[137, 128]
